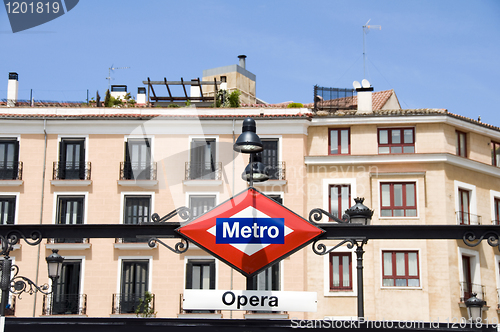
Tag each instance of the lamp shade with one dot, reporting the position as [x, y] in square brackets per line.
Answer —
[359, 214]
[259, 172]
[248, 141]
[475, 308]
[54, 263]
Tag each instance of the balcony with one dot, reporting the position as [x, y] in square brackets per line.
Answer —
[11, 173]
[465, 218]
[68, 243]
[467, 288]
[203, 174]
[133, 243]
[131, 304]
[277, 172]
[138, 174]
[67, 304]
[71, 174]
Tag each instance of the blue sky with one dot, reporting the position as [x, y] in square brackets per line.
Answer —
[434, 54]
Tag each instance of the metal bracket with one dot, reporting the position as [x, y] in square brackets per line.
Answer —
[317, 214]
[493, 239]
[321, 249]
[180, 247]
[8, 241]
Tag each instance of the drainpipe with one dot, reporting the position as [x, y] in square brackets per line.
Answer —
[232, 270]
[41, 208]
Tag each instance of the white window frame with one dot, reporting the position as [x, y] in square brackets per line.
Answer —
[205, 137]
[151, 140]
[420, 272]
[493, 194]
[475, 265]
[135, 258]
[135, 193]
[399, 180]
[472, 197]
[16, 210]
[326, 195]
[82, 271]
[202, 193]
[326, 274]
[70, 193]
[187, 258]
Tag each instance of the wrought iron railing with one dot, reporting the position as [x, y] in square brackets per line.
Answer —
[10, 309]
[137, 171]
[203, 171]
[68, 240]
[63, 170]
[64, 304]
[466, 218]
[277, 171]
[11, 170]
[332, 99]
[129, 303]
[467, 288]
[131, 240]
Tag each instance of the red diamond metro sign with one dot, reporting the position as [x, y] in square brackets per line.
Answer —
[250, 231]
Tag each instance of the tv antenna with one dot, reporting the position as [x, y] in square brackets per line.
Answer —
[366, 29]
[110, 69]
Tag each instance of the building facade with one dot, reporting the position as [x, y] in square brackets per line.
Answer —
[118, 166]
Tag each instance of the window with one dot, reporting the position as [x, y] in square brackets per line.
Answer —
[223, 79]
[134, 284]
[400, 269]
[7, 210]
[398, 199]
[70, 212]
[495, 154]
[340, 196]
[9, 159]
[203, 159]
[396, 140]
[267, 280]
[72, 159]
[200, 274]
[339, 141]
[270, 158]
[137, 164]
[497, 211]
[66, 294]
[464, 206]
[461, 144]
[276, 197]
[200, 204]
[340, 271]
[137, 209]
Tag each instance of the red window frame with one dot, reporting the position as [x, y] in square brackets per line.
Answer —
[339, 140]
[394, 275]
[497, 211]
[392, 205]
[464, 215]
[495, 154]
[341, 286]
[339, 201]
[461, 150]
[391, 145]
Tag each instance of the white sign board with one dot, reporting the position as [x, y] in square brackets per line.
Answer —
[195, 299]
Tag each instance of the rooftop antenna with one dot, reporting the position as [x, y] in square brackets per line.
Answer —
[366, 28]
[110, 69]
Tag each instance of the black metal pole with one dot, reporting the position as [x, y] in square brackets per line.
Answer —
[251, 169]
[5, 284]
[359, 267]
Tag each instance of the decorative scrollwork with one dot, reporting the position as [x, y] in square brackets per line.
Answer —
[8, 241]
[315, 215]
[19, 285]
[321, 249]
[183, 212]
[180, 247]
[493, 239]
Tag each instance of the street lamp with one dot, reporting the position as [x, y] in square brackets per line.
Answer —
[356, 215]
[20, 284]
[255, 171]
[475, 308]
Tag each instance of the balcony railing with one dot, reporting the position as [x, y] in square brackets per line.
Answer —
[64, 304]
[137, 171]
[277, 172]
[129, 303]
[63, 170]
[467, 288]
[203, 171]
[131, 240]
[68, 240]
[11, 170]
[465, 218]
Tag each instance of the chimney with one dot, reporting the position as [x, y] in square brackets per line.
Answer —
[364, 90]
[242, 61]
[141, 95]
[12, 89]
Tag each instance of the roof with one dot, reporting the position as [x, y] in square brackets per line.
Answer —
[379, 99]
